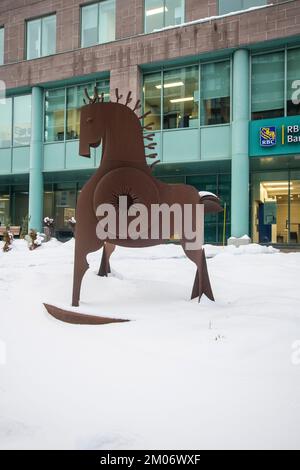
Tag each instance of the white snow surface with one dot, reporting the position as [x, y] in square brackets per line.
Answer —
[179, 375]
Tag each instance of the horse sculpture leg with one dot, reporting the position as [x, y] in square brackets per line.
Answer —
[108, 250]
[202, 282]
[86, 242]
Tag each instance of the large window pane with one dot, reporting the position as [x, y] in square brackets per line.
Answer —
[5, 122]
[33, 39]
[98, 23]
[154, 15]
[293, 75]
[228, 6]
[22, 120]
[54, 115]
[4, 209]
[1, 46]
[107, 21]
[89, 25]
[181, 98]
[206, 183]
[215, 92]
[65, 204]
[294, 211]
[152, 99]
[49, 35]
[75, 102]
[268, 86]
[174, 12]
[41, 37]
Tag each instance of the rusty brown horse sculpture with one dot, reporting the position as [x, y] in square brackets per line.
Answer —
[124, 172]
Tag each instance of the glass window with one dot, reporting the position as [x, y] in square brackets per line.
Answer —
[293, 76]
[4, 209]
[54, 115]
[22, 120]
[268, 86]
[154, 15]
[215, 93]
[228, 6]
[152, 99]
[75, 102]
[49, 35]
[33, 39]
[89, 25]
[174, 12]
[161, 13]
[207, 183]
[5, 122]
[1, 46]
[107, 22]
[98, 23]
[41, 37]
[181, 98]
[65, 204]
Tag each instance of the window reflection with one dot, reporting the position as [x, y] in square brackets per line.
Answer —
[4, 209]
[215, 92]
[181, 96]
[6, 122]
[1, 46]
[55, 115]
[75, 102]
[161, 13]
[22, 120]
[268, 86]
[152, 100]
[98, 23]
[41, 37]
[293, 75]
[228, 6]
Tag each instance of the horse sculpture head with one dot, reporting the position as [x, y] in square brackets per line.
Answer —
[111, 122]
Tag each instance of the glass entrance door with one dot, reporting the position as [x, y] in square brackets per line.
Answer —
[295, 209]
[275, 208]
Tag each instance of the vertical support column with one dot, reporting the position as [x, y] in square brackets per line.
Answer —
[240, 145]
[35, 211]
[126, 78]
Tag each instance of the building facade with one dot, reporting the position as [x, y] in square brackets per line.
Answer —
[220, 78]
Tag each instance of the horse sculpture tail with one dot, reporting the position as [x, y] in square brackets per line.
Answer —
[212, 203]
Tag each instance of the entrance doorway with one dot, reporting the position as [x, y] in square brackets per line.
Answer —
[276, 207]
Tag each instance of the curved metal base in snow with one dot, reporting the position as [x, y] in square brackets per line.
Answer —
[68, 316]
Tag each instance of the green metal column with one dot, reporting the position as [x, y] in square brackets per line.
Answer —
[36, 191]
[240, 145]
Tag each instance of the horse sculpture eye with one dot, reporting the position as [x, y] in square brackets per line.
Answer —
[89, 119]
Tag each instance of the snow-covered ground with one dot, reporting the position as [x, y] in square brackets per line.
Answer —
[180, 375]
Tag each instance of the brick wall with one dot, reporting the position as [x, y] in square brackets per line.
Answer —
[129, 18]
[278, 21]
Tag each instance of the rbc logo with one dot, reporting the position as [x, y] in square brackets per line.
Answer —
[268, 136]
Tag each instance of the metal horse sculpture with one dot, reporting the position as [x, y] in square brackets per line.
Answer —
[123, 171]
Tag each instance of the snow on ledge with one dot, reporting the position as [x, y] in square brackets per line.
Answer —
[207, 193]
[211, 18]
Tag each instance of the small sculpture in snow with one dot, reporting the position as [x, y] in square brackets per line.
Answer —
[48, 228]
[72, 224]
[34, 239]
[8, 239]
[124, 172]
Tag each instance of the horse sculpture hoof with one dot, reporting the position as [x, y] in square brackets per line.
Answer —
[68, 316]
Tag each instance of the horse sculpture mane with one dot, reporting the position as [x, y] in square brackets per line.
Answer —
[124, 171]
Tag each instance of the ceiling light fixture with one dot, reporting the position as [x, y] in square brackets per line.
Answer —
[156, 11]
[181, 100]
[169, 85]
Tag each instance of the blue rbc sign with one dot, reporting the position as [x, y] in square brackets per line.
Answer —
[268, 136]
